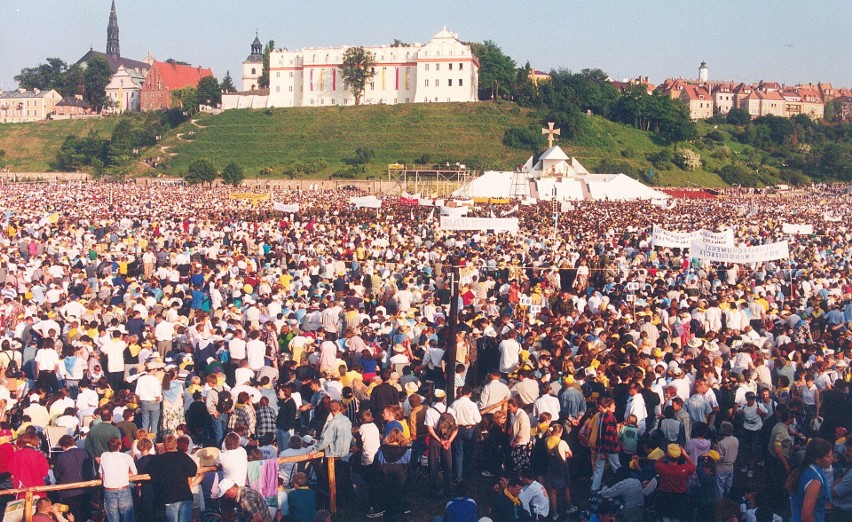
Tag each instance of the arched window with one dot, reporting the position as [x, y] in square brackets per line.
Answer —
[253, 70]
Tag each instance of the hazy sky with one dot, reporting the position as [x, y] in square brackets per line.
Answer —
[778, 40]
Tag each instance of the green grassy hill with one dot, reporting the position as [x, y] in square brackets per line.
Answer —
[31, 147]
[326, 139]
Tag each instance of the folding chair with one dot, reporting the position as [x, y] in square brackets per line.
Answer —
[53, 434]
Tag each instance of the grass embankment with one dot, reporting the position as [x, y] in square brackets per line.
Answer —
[31, 147]
[325, 139]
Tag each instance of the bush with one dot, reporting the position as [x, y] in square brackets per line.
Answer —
[715, 135]
[737, 175]
[687, 159]
[523, 138]
[364, 155]
[660, 159]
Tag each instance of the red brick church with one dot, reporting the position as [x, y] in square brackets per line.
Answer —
[165, 77]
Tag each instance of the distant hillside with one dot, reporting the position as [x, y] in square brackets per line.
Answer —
[322, 142]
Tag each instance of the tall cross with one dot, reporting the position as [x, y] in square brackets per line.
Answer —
[550, 131]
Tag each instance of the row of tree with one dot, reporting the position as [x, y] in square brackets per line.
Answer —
[88, 79]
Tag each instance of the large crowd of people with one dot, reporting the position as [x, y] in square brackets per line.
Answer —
[237, 355]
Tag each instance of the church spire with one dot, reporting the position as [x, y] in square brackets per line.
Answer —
[112, 48]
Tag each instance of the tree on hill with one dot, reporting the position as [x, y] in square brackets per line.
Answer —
[185, 99]
[72, 81]
[399, 43]
[359, 67]
[263, 82]
[44, 76]
[738, 117]
[227, 84]
[208, 92]
[95, 79]
[200, 171]
[496, 70]
[233, 174]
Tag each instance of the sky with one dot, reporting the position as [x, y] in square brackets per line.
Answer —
[775, 40]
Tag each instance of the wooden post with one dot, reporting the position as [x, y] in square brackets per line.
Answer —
[332, 485]
[28, 506]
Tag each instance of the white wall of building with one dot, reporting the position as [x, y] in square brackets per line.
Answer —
[443, 70]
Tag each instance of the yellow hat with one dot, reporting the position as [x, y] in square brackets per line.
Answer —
[635, 465]
[656, 454]
[713, 454]
[657, 352]
[673, 451]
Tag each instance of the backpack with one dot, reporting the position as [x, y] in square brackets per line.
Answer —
[446, 425]
[588, 433]
[224, 401]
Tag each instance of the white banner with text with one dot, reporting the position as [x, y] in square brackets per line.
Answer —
[755, 254]
[481, 224]
[667, 238]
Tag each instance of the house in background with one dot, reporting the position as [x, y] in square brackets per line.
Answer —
[72, 107]
[25, 106]
[163, 78]
[698, 101]
[125, 90]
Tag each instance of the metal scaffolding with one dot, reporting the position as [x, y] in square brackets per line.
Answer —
[430, 181]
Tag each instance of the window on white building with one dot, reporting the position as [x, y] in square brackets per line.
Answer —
[450, 82]
[437, 82]
[372, 86]
[461, 66]
[407, 100]
[291, 88]
[291, 74]
[278, 74]
[437, 66]
[450, 66]
[427, 66]
[461, 82]
[277, 88]
[427, 83]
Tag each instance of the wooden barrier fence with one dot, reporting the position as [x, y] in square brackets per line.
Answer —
[29, 492]
[500, 406]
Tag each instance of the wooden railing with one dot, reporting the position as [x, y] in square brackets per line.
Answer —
[30, 491]
[500, 406]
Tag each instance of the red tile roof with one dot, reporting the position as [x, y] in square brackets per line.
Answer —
[176, 76]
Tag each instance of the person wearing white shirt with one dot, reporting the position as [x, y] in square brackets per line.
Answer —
[464, 446]
[47, 364]
[534, 497]
[510, 353]
[546, 402]
[255, 351]
[164, 332]
[87, 401]
[371, 439]
[234, 460]
[636, 406]
[116, 469]
[494, 392]
[150, 393]
[114, 351]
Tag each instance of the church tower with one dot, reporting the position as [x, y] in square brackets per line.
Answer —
[703, 73]
[112, 48]
[253, 66]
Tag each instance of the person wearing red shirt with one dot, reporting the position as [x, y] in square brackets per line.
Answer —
[29, 466]
[674, 469]
[7, 451]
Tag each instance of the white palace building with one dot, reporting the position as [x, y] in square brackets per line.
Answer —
[442, 70]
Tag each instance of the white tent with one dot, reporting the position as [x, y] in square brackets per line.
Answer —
[555, 175]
